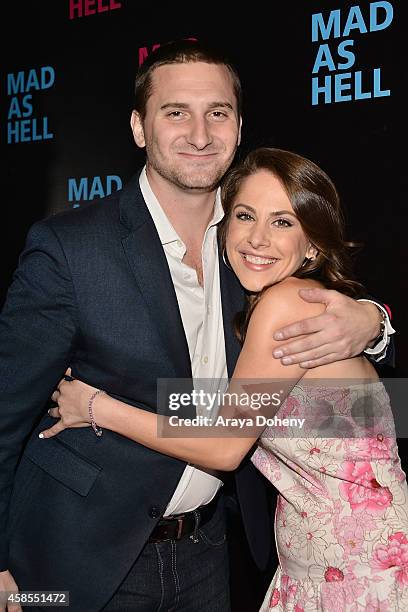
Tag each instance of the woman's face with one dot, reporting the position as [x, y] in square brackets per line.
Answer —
[265, 242]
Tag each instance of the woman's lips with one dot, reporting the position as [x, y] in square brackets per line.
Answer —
[257, 263]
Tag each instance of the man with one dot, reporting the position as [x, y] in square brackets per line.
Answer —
[126, 291]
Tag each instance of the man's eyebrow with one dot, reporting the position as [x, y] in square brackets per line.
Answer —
[185, 105]
[221, 104]
[173, 105]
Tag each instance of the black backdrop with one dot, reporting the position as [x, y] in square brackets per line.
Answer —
[92, 60]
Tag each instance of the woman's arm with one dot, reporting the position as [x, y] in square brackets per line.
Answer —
[279, 306]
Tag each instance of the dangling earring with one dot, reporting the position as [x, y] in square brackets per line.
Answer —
[224, 259]
[308, 260]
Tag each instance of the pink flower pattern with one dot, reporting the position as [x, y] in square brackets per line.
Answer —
[361, 489]
[350, 534]
[378, 447]
[393, 554]
[274, 600]
[342, 513]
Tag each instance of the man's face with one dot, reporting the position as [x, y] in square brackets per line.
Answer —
[191, 129]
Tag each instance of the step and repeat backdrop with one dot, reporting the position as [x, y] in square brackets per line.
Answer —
[320, 78]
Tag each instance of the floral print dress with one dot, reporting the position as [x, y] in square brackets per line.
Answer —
[341, 523]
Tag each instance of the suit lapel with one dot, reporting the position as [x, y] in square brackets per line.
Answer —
[148, 262]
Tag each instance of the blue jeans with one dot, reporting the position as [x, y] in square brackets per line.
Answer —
[187, 575]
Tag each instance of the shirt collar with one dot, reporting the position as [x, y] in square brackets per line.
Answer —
[164, 228]
[218, 210]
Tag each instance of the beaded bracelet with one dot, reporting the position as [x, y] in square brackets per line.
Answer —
[98, 430]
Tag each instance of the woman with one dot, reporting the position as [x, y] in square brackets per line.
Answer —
[341, 520]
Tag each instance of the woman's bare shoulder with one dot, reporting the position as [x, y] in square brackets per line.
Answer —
[282, 304]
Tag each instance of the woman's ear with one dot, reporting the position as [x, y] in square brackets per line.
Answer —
[137, 129]
[312, 252]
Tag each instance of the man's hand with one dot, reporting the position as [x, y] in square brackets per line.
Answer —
[7, 583]
[344, 330]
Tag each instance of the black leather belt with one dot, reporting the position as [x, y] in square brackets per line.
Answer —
[177, 526]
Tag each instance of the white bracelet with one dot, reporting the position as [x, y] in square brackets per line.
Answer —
[386, 329]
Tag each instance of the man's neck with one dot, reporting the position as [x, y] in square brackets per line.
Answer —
[189, 212]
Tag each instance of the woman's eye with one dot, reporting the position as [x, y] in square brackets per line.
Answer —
[244, 216]
[282, 223]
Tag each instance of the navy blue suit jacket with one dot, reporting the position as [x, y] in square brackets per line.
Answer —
[93, 290]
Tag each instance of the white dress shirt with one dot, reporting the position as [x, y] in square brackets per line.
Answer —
[201, 314]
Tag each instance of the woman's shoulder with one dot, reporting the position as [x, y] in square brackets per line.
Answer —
[288, 289]
[292, 283]
[281, 303]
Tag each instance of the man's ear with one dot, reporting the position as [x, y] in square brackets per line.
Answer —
[239, 132]
[137, 129]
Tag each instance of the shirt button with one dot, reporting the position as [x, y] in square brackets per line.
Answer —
[154, 512]
[186, 276]
[204, 359]
[179, 244]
